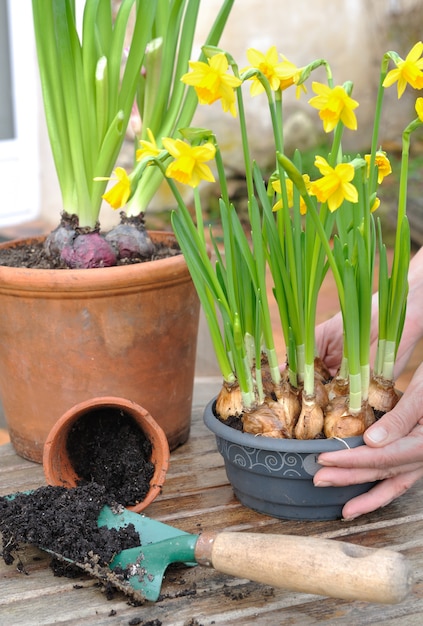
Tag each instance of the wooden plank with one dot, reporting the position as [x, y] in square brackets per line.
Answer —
[197, 497]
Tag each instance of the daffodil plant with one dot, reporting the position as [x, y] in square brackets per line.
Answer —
[92, 80]
[298, 230]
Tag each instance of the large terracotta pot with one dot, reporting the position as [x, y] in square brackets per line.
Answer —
[70, 335]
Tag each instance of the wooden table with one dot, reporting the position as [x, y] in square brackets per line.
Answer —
[197, 496]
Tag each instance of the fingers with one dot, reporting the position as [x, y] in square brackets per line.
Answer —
[405, 451]
[381, 494]
[394, 467]
[329, 342]
[340, 477]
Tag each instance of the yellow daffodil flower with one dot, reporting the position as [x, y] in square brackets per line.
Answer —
[334, 187]
[118, 195]
[189, 166]
[267, 63]
[280, 74]
[290, 193]
[212, 82]
[382, 163]
[409, 71]
[147, 148]
[334, 105]
[289, 74]
[419, 108]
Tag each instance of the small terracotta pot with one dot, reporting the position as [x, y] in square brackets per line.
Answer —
[58, 468]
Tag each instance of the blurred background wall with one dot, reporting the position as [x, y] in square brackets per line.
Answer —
[351, 35]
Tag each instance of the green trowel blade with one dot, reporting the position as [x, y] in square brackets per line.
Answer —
[149, 530]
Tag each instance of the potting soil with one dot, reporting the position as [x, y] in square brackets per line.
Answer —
[112, 456]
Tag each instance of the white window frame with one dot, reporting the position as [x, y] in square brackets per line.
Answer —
[20, 156]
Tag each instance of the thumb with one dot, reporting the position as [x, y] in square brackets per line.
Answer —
[401, 420]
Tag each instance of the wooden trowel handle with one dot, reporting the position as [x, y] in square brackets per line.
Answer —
[308, 564]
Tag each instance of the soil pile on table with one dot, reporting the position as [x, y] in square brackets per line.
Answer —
[64, 521]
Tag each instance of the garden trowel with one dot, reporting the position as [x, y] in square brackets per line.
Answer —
[305, 564]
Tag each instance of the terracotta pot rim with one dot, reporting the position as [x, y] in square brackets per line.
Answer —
[171, 270]
[306, 446]
[58, 469]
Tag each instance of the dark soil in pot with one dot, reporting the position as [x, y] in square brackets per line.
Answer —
[72, 246]
[34, 256]
[110, 450]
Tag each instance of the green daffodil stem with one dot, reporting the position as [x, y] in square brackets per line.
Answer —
[287, 240]
[244, 144]
[313, 281]
[402, 197]
[393, 291]
[208, 287]
[221, 174]
[242, 365]
[199, 216]
[275, 256]
[198, 239]
[153, 70]
[276, 114]
[308, 69]
[290, 234]
[206, 294]
[260, 261]
[383, 307]
[352, 337]
[218, 286]
[336, 152]
[376, 124]
[259, 270]
[314, 269]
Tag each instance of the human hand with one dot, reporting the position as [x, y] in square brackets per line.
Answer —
[329, 342]
[393, 455]
[329, 338]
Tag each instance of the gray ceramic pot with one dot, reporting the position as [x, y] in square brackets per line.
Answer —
[275, 476]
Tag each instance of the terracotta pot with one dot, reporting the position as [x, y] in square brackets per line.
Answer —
[57, 464]
[275, 476]
[70, 335]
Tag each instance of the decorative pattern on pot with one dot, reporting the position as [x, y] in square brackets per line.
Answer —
[288, 464]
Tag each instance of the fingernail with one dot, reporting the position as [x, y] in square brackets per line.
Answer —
[350, 518]
[323, 483]
[377, 434]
